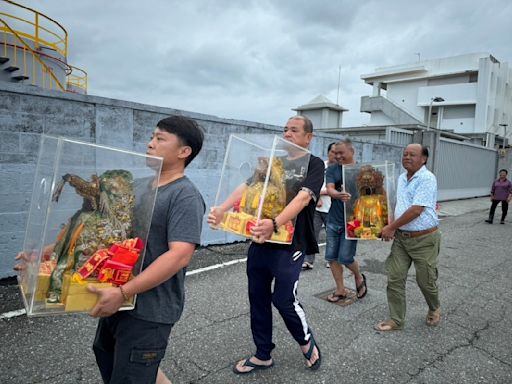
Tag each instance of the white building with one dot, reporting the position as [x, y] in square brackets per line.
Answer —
[468, 94]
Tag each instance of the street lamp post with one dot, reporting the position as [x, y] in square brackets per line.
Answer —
[432, 100]
[504, 134]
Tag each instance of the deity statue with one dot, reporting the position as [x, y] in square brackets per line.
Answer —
[370, 208]
[275, 197]
[105, 218]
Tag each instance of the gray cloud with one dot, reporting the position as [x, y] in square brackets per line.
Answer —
[257, 59]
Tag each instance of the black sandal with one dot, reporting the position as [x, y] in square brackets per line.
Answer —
[363, 284]
[254, 366]
[309, 353]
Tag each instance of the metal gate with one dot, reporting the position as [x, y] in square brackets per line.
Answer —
[463, 170]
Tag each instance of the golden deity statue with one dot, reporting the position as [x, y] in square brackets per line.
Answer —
[275, 197]
[370, 209]
[245, 212]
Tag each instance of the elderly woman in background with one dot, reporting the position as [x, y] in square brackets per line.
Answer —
[501, 190]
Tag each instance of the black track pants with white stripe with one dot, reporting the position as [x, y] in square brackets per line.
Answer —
[265, 264]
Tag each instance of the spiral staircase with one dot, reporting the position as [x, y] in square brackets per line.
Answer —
[34, 50]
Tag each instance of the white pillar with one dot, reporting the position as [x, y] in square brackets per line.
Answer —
[440, 112]
[376, 89]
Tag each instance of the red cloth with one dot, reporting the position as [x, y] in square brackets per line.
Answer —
[115, 263]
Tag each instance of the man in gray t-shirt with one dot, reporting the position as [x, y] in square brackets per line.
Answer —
[129, 345]
[179, 221]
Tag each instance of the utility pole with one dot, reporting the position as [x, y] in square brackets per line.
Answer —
[339, 82]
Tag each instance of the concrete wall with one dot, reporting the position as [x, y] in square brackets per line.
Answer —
[405, 95]
[381, 104]
[494, 97]
[315, 116]
[380, 118]
[505, 161]
[459, 118]
[26, 112]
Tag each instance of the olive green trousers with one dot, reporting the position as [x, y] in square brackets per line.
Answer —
[423, 251]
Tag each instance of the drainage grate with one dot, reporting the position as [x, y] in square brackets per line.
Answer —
[351, 297]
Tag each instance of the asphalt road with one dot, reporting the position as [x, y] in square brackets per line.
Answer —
[471, 345]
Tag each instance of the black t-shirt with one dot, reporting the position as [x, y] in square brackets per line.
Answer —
[304, 237]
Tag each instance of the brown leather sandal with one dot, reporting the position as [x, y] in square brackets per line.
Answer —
[387, 325]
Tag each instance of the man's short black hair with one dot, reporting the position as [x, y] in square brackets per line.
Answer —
[187, 131]
[424, 151]
[503, 170]
[329, 147]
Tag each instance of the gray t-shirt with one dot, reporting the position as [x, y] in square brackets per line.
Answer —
[177, 216]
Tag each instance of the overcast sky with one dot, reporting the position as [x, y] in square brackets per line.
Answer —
[256, 59]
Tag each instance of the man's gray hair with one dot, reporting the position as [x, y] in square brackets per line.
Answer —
[348, 143]
[308, 124]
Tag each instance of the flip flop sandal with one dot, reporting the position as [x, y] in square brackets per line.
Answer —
[363, 284]
[254, 366]
[387, 326]
[309, 353]
[334, 298]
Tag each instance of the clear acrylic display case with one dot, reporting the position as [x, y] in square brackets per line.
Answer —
[373, 196]
[88, 222]
[269, 189]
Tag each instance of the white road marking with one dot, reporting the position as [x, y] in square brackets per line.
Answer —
[216, 266]
[8, 315]
[20, 312]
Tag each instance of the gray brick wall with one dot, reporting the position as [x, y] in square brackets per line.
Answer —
[26, 112]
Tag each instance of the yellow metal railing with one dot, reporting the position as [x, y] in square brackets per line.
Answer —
[77, 79]
[51, 35]
[45, 69]
[54, 35]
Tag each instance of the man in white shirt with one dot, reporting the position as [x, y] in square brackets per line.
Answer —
[322, 209]
[416, 239]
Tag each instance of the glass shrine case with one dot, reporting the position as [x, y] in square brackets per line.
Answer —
[88, 223]
[269, 188]
[373, 195]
